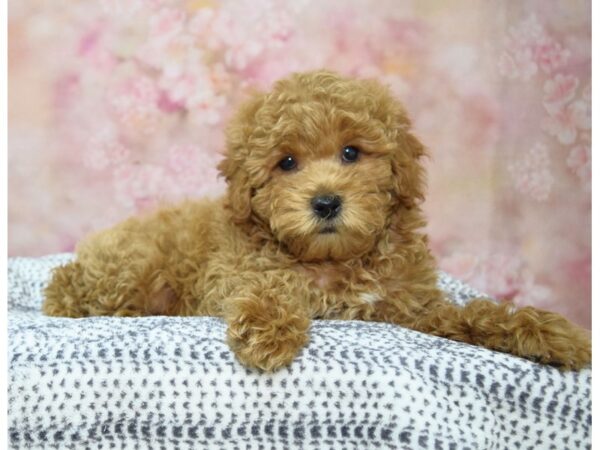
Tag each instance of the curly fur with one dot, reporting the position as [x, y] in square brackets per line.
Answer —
[257, 258]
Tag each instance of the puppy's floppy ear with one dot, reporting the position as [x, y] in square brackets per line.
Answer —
[238, 132]
[407, 164]
[237, 199]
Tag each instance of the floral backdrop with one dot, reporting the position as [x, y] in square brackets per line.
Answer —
[116, 106]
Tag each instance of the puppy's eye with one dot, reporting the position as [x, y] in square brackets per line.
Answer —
[350, 154]
[287, 163]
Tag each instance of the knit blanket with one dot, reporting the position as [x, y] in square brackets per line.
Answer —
[172, 382]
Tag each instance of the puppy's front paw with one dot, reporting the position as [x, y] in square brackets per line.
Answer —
[265, 334]
[551, 339]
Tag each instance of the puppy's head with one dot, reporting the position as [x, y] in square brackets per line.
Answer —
[324, 163]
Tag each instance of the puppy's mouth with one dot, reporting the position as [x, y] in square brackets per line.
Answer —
[328, 229]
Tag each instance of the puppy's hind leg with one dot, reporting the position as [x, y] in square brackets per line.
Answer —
[64, 292]
[530, 333]
[112, 278]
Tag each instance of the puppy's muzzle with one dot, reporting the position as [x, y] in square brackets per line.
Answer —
[326, 206]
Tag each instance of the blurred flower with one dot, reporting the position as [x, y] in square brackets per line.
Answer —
[586, 93]
[139, 186]
[247, 30]
[500, 273]
[135, 104]
[532, 293]
[559, 90]
[527, 31]
[166, 22]
[580, 162]
[461, 265]
[189, 168]
[563, 123]
[167, 105]
[197, 92]
[518, 64]
[92, 49]
[531, 173]
[65, 89]
[104, 151]
[183, 158]
[549, 55]
[528, 48]
[171, 57]
[582, 114]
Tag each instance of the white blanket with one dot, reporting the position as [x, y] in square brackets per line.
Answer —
[162, 382]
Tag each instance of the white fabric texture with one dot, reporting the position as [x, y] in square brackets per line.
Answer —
[167, 383]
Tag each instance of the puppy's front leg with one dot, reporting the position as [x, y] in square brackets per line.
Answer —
[267, 320]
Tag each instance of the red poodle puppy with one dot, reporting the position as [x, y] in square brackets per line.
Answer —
[321, 219]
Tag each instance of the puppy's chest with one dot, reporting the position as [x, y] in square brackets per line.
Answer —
[343, 284]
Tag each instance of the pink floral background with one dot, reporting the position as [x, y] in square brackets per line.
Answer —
[116, 106]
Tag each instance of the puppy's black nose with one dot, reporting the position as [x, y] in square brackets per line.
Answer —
[326, 206]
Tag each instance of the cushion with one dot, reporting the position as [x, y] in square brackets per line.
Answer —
[172, 382]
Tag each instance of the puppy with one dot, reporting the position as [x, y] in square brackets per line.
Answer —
[321, 220]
